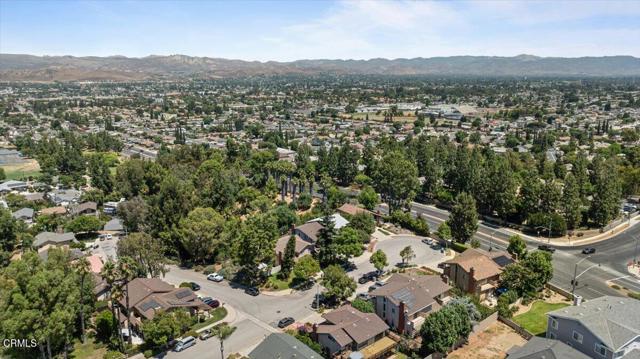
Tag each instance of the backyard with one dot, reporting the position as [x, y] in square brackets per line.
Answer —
[493, 343]
[535, 320]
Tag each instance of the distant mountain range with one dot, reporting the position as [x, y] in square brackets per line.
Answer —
[14, 67]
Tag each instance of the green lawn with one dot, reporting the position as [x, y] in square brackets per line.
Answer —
[274, 283]
[88, 350]
[18, 174]
[216, 315]
[535, 320]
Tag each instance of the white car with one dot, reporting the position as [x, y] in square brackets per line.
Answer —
[427, 241]
[215, 277]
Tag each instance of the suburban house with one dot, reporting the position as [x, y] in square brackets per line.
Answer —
[24, 214]
[347, 329]
[305, 235]
[86, 208]
[542, 348]
[64, 197]
[607, 327]
[13, 185]
[283, 346]
[54, 239]
[285, 154]
[110, 208]
[404, 301]
[477, 271]
[147, 296]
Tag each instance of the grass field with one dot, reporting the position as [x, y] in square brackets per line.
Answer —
[88, 350]
[535, 320]
[17, 171]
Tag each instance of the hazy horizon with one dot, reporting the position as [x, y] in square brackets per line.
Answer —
[286, 31]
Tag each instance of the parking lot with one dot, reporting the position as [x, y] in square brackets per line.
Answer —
[107, 248]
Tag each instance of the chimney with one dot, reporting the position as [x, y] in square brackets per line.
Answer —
[401, 318]
[471, 285]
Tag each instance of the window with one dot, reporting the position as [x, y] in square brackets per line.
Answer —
[554, 323]
[577, 337]
[601, 349]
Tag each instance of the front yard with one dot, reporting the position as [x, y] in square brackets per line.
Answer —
[535, 320]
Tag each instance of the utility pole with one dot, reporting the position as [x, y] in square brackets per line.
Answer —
[635, 252]
[576, 275]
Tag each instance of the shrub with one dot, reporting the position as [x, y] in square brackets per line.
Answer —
[304, 201]
[112, 354]
[148, 353]
[459, 247]
[209, 269]
[634, 295]
[185, 285]
[404, 219]
[364, 306]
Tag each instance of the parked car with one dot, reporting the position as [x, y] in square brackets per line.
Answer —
[215, 277]
[363, 296]
[367, 277]
[213, 303]
[205, 334]
[374, 287]
[589, 250]
[427, 241]
[500, 291]
[252, 291]
[348, 266]
[546, 248]
[285, 322]
[195, 286]
[184, 343]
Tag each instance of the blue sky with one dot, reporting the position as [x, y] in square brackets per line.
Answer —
[290, 30]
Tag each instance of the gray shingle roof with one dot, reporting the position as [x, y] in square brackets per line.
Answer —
[542, 348]
[53, 238]
[282, 346]
[614, 320]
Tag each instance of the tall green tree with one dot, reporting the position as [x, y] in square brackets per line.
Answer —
[337, 283]
[325, 246]
[288, 260]
[200, 233]
[396, 179]
[571, 202]
[146, 251]
[379, 260]
[463, 219]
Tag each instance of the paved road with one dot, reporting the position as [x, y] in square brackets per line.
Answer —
[612, 255]
[247, 335]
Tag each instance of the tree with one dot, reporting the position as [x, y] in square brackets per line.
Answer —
[530, 274]
[348, 243]
[365, 306]
[571, 202]
[133, 214]
[606, 194]
[444, 231]
[8, 229]
[82, 224]
[407, 254]
[368, 198]
[200, 233]
[379, 260]
[464, 218]
[127, 270]
[325, 247]
[222, 332]
[337, 283]
[217, 186]
[146, 251]
[100, 173]
[288, 260]
[104, 326]
[82, 269]
[442, 329]
[306, 267]
[363, 222]
[396, 178]
[517, 247]
[164, 326]
[256, 244]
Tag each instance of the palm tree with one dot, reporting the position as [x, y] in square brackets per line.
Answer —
[223, 331]
[127, 269]
[82, 268]
[110, 274]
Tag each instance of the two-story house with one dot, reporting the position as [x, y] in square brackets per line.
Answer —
[477, 271]
[607, 327]
[348, 329]
[404, 301]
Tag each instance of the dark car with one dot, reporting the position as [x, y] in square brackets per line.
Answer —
[546, 248]
[195, 286]
[589, 250]
[374, 287]
[348, 266]
[213, 303]
[285, 322]
[367, 277]
[253, 291]
[500, 291]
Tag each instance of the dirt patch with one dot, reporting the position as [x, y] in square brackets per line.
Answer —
[493, 343]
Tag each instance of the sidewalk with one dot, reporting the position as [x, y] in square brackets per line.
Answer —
[229, 318]
[579, 241]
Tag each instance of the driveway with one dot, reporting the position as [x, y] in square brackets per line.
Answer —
[107, 248]
[247, 336]
[391, 246]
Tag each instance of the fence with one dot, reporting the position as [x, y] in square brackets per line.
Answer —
[485, 323]
[563, 292]
[516, 327]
